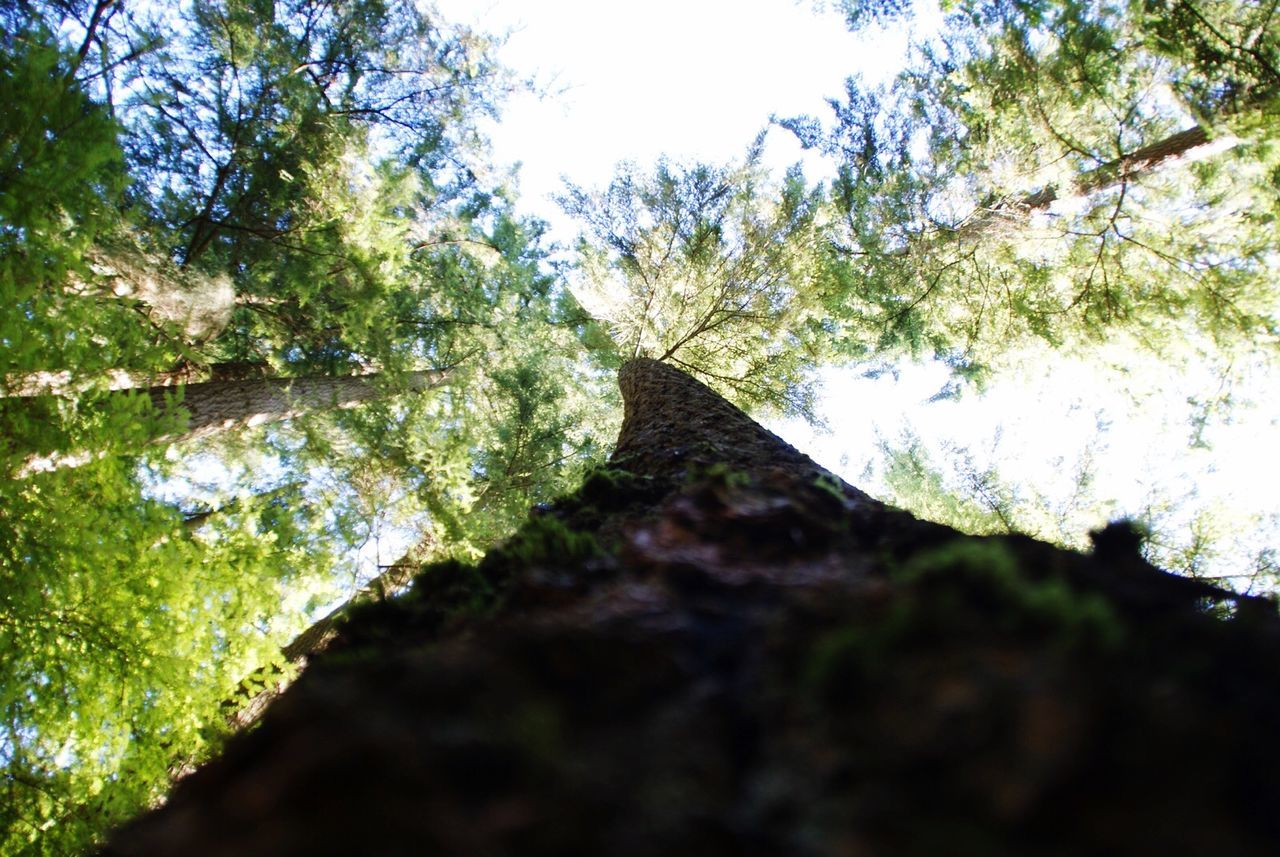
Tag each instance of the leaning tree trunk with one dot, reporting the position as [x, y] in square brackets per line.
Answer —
[65, 383]
[716, 647]
[214, 407]
[1141, 162]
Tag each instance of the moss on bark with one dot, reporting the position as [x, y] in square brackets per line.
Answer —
[718, 649]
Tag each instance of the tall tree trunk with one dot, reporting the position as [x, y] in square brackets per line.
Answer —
[218, 406]
[65, 383]
[716, 647]
[213, 407]
[1133, 165]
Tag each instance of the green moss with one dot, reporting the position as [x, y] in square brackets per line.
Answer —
[601, 480]
[984, 576]
[982, 559]
[546, 538]
[963, 592]
[611, 488]
[842, 662]
[452, 587]
[441, 592]
[605, 491]
[830, 485]
[721, 474]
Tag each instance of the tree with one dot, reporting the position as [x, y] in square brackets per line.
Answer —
[301, 187]
[1064, 173]
[975, 492]
[715, 646]
[210, 408]
[185, 187]
[269, 183]
[709, 268]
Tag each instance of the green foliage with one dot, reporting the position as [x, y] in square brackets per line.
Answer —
[1030, 179]
[309, 153]
[322, 161]
[860, 14]
[122, 633]
[1200, 537]
[60, 179]
[307, 180]
[980, 505]
[59, 175]
[970, 588]
[1229, 53]
[709, 268]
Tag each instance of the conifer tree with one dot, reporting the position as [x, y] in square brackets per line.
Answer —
[715, 646]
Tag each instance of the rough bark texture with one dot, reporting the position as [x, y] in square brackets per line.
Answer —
[717, 648]
[218, 406]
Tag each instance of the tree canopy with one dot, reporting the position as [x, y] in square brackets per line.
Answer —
[1061, 173]
[709, 268]
[206, 203]
[197, 199]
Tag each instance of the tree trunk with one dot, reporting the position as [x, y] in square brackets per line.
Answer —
[716, 647]
[261, 691]
[214, 407]
[1136, 164]
[64, 383]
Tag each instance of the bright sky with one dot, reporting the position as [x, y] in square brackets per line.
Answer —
[694, 79]
[697, 80]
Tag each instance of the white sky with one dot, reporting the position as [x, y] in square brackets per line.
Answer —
[697, 80]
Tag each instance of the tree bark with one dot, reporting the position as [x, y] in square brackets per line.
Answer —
[65, 383]
[214, 407]
[716, 647]
[320, 634]
[1133, 165]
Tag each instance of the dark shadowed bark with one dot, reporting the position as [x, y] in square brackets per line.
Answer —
[715, 647]
[262, 690]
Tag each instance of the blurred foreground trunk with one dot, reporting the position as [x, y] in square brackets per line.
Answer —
[716, 647]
